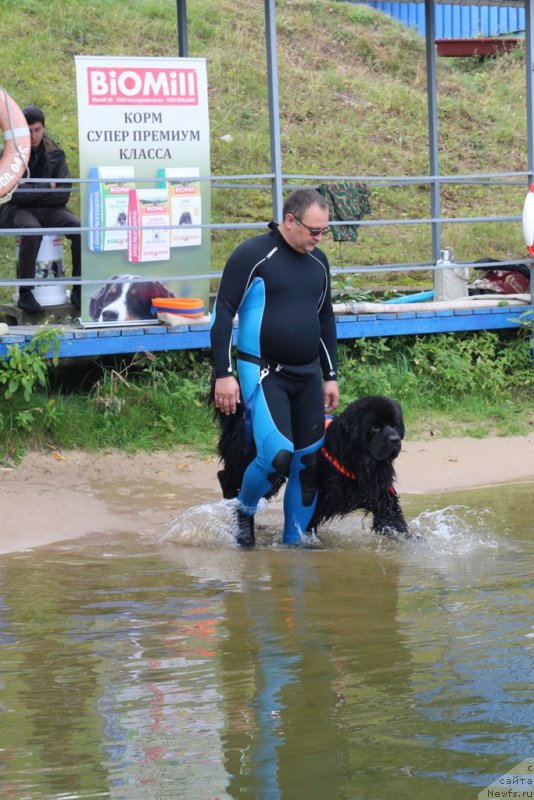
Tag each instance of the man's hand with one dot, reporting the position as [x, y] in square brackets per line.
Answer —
[226, 394]
[331, 395]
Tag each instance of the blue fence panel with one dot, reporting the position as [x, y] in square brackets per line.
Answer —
[455, 21]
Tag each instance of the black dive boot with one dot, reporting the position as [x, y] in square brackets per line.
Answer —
[245, 529]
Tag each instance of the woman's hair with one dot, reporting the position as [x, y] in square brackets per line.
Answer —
[300, 200]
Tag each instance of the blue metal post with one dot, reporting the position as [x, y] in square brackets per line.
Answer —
[274, 108]
[181, 11]
[529, 66]
[435, 202]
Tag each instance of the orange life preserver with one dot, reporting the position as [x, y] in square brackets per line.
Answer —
[17, 143]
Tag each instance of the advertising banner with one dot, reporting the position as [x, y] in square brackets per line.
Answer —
[144, 140]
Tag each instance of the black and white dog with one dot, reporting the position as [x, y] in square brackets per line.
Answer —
[356, 465]
[123, 299]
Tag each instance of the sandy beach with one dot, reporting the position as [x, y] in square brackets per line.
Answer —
[57, 495]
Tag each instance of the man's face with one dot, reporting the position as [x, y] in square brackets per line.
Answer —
[37, 130]
[296, 230]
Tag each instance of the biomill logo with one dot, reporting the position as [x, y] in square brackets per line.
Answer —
[142, 86]
[518, 784]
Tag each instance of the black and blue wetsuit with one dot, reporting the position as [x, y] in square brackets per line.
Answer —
[286, 333]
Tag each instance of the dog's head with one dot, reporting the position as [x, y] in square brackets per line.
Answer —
[124, 299]
[185, 218]
[372, 426]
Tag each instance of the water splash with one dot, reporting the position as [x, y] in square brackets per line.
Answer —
[460, 543]
[455, 530]
[213, 525]
[210, 525]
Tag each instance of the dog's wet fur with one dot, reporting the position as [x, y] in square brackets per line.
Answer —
[364, 440]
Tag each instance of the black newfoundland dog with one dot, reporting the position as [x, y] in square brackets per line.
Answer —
[356, 465]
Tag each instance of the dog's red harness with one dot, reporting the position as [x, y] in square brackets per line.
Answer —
[335, 463]
[329, 457]
[340, 468]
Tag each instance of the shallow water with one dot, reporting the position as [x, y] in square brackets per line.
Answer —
[174, 666]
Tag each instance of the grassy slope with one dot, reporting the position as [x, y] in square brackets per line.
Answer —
[352, 97]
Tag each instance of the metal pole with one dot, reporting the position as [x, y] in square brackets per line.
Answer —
[181, 12]
[529, 66]
[274, 109]
[433, 157]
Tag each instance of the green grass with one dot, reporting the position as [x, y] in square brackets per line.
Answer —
[449, 385]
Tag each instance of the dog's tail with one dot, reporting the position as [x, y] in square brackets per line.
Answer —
[231, 446]
[232, 450]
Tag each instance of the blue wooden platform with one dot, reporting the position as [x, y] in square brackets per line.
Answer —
[78, 342]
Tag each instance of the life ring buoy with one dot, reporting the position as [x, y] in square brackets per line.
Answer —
[17, 144]
[528, 220]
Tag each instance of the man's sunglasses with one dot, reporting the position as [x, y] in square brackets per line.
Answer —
[313, 231]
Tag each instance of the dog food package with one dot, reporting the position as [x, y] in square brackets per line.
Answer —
[108, 207]
[148, 220]
[184, 203]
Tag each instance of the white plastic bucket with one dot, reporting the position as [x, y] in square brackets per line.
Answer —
[49, 264]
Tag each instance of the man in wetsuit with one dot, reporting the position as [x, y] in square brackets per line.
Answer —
[279, 284]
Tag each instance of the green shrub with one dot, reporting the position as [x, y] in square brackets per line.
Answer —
[24, 368]
[449, 384]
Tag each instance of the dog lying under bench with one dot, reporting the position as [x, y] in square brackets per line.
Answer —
[356, 469]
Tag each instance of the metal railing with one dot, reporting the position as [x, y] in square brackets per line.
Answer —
[264, 182]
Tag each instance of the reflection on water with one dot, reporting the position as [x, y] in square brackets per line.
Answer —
[176, 666]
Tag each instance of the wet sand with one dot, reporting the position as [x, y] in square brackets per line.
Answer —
[53, 496]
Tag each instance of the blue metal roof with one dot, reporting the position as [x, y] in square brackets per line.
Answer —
[455, 21]
[510, 3]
